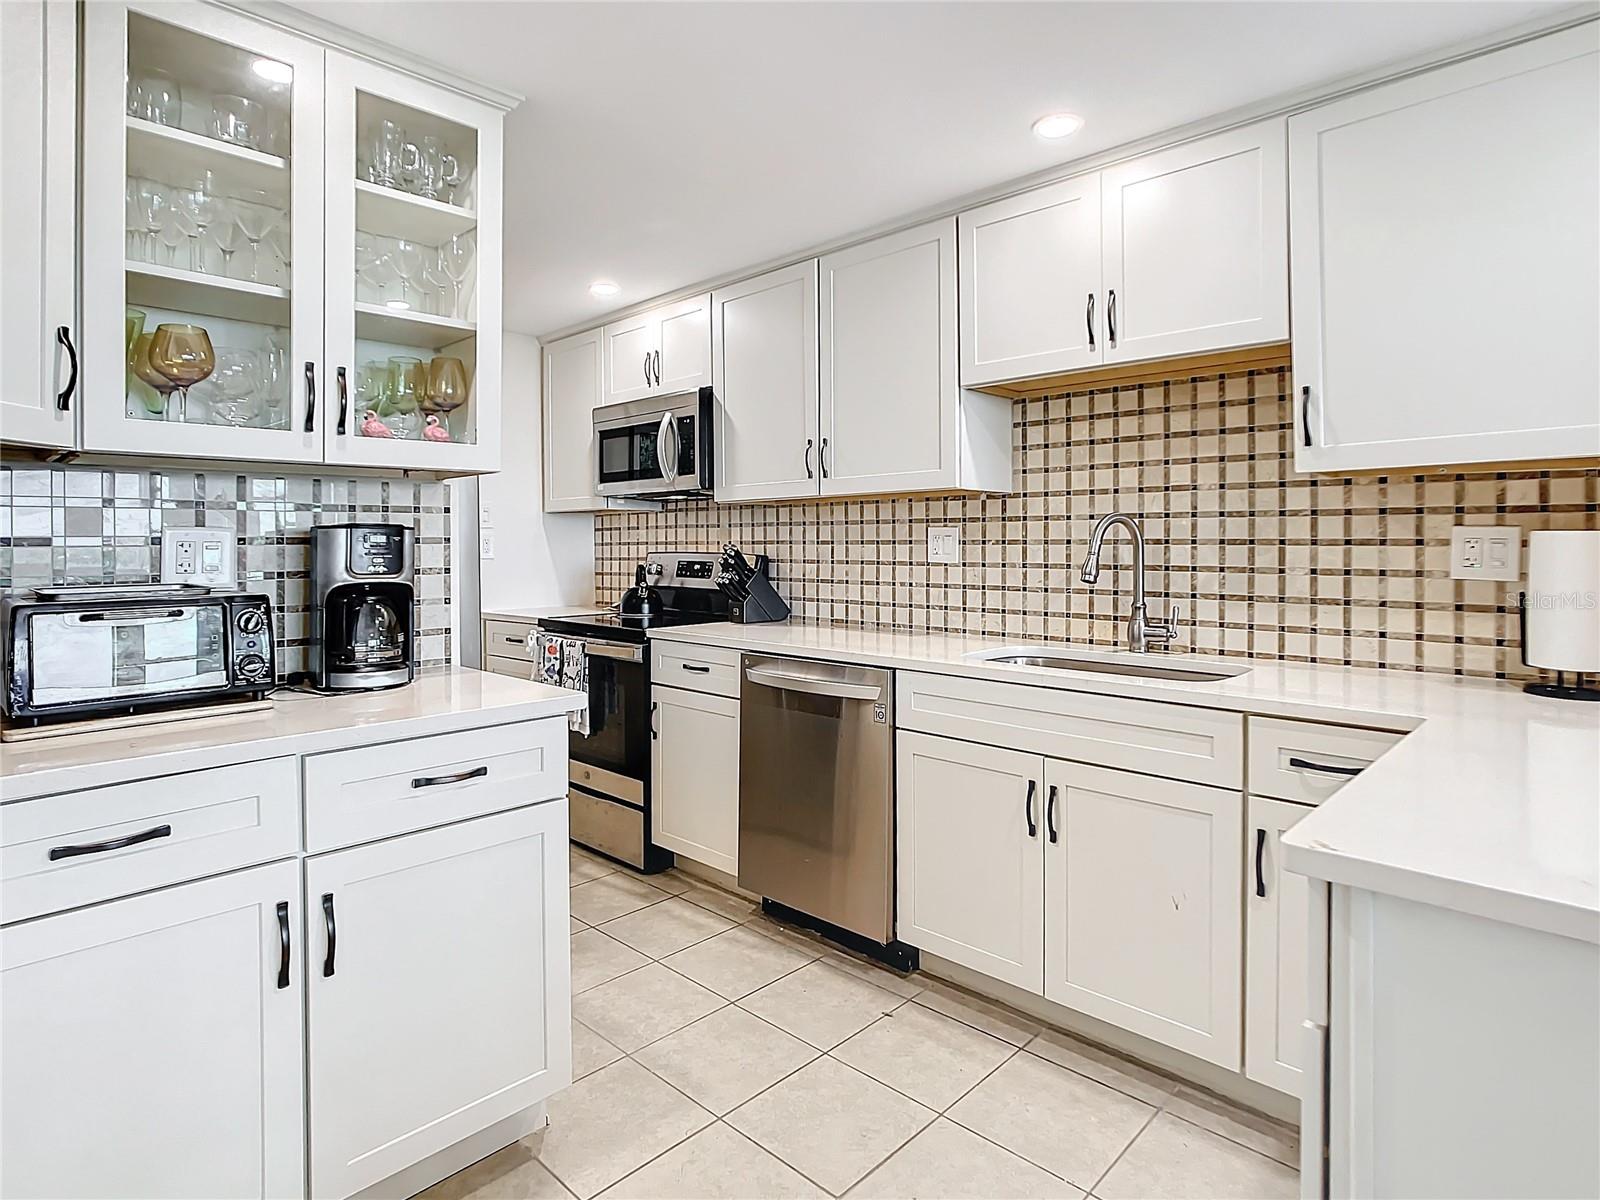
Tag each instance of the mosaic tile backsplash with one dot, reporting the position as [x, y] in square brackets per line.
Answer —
[1260, 560]
[81, 524]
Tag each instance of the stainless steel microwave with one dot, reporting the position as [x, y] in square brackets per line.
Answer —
[81, 651]
[658, 447]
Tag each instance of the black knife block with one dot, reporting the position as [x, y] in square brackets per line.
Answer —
[763, 603]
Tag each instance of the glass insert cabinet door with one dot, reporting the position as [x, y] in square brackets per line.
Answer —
[202, 242]
[413, 259]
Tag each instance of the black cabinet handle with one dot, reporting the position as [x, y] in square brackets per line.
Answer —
[1305, 764]
[1088, 318]
[822, 457]
[458, 777]
[1033, 826]
[654, 708]
[647, 368]
[1050, 813]
[64, 396]
[1305, 414]
[333, 933]
[283, 944]
[809, 443]
[311, 397]
[658, 368]
[133, 839]
[1111, 317]
[696, 669]
[1261, 845]
[344, 401]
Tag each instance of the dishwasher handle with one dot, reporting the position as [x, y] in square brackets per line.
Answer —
[816, 687]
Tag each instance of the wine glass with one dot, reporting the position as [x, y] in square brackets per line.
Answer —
[145, 370]
[447, 386]
[278, 241]
[455, 259]
[406, 384]
[239, 119]
[152, 205]
[182, 353]
[175, 231]
[274, 381]
[407, 259]
[200, 203]
[257, 218]
[227, 235]
[155, 96]
[236, 379]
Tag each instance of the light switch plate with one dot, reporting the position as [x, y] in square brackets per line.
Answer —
[1486, 552]
[485, 517]
[204, 555]
[944, 543]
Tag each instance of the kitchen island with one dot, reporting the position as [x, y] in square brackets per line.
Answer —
[317, 950]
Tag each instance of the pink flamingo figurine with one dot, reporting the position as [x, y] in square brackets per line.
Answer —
[434, 431]
[372, 427]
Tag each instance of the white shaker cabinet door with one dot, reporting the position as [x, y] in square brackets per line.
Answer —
[684, 361]
[439, 989]
[1277, 916]
[1143, 905]
[1031, 300]
[1197, 246]
[38, 288]
[764, 372]
[694, 752]
[969, 862]
[1444, 234]
[152, 1045]
[572, 391]
[890, 400]
[630, 347]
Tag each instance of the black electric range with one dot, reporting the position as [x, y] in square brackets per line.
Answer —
[608, 768]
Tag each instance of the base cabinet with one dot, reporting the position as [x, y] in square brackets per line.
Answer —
[190, 1084]
[439, 992]
[1277, 915]
[694, 751]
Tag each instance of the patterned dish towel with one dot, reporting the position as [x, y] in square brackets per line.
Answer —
[563, 664]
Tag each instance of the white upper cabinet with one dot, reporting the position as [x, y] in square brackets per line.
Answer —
[572, 387]
[1445, 230]
[1176, 253]
[414, 260]
[39, 331]
[1196, 246]
[764, 375]
[890, 400]
[659, 353]
[1030, 284]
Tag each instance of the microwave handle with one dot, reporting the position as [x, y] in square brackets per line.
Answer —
[667, 462]
[129, 615]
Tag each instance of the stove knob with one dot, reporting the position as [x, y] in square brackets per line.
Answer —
[252, 620]
[252, 666]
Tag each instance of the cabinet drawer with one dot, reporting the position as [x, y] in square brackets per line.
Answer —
[697, 668]
[376, 791]
[507, 639]
[521, 668]
[174, 827]
[1307, 763]
[1201, 745]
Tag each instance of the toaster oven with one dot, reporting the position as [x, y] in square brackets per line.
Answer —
[95, 651]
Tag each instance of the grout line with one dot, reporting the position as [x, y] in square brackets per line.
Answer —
[1112, 1164]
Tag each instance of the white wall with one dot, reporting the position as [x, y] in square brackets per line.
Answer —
[539, 558]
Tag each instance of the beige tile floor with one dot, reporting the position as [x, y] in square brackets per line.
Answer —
[718, 1054]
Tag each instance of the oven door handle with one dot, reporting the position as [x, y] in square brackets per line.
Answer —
[617, 650]
[667, 463]
[815, 687]
[131, 616]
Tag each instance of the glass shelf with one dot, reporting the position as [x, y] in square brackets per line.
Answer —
[177, 157]
[405, 327]
[387, 212]
[178, 290]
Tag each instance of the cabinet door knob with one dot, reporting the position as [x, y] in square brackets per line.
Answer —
[1088, 318]
[64, 396]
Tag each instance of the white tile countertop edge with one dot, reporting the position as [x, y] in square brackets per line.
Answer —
[1490, 805]
[440, 700]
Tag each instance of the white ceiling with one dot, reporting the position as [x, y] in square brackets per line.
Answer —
[662, 144]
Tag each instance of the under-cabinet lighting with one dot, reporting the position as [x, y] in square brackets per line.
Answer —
[397, 305]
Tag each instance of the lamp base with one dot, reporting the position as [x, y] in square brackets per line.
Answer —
[1562, 690]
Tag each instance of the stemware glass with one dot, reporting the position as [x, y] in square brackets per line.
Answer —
[132, 218]
[274, 381]
[182, 353]
[227, 235]
[236, 379]
[455, 259]
[137, 341]
[150, 376]
[201, 204]
[256, 217]
[406, 384]
[278, 241]
[155, 96]
[447, 385]
[407, 259]
[175, 231]
[239, 119]
[152, 204]
[388, 154]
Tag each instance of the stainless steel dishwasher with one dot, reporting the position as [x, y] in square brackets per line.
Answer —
[816, 791]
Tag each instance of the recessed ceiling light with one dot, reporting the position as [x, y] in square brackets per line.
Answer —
[602, 289]
[273, 71]
[397, 305]
[1057, 125]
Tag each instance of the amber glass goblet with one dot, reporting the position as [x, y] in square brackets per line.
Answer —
[145, 371]
[447, 385]
[183, 353]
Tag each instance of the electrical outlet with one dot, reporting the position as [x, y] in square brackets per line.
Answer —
[944, 544]
[205, 556]
[486, 545]
[1486, 552]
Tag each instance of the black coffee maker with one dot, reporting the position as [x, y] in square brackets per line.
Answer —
[363, 607]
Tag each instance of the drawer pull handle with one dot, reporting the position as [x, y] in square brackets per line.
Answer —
[1305, 764]
[1033, 826]
[458, 777]
[1261, 845]
[133, 839]
[333, 934]
[696, 669]
[1050, 813]
[283, 944]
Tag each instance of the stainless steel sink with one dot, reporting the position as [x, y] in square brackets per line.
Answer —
[1103, 666]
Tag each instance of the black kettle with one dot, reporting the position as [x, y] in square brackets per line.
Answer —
[643, 599]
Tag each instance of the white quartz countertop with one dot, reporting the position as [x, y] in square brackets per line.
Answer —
[1490, 805]
[537, 611]
[438, 701]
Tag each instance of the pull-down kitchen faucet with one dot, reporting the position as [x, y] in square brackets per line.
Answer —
[1141, 630]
